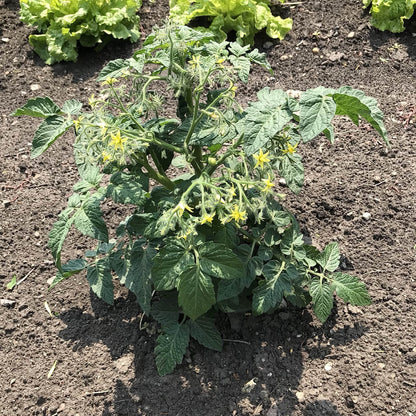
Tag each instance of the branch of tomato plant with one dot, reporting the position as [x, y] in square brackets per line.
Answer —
[153, 174]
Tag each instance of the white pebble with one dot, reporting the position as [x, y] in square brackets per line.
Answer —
[366, 216]
[328, 367]
[35, 87]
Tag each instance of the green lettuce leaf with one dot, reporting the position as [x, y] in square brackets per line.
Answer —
[64, 24]
[390, 14]
[245, 18]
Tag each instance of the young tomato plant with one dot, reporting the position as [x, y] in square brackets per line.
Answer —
[216, 236]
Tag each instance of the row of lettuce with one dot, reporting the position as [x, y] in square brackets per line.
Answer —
[62, 25]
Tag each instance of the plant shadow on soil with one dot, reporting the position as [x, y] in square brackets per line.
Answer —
[278, 341]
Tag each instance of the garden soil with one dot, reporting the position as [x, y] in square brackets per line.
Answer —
[88, 358]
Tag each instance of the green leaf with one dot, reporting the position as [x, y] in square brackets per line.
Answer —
[171, 347]
[169, 264]
[72, 107]
[317, 109]
[355, 104]
[291, 168]
[50, 129]
[217, 260]
[263, 119]
[42, 107]
[206, 333]
[100, 279]
[269, 293]
[329, 258]
[69, 269]
[196, 292]
[126, 188]
[114, 69]
[91, 178]
[12, 283]
[166, 311]
[88, 220]
[322, 298]
[57, 236]
[350, 289]
[138, 278]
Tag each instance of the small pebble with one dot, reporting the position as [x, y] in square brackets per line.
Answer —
[300, 396]
[328, 367]
[315, 51]
[282, 181]
[351, 35]
[6, 203]
[381, 365]
[35, 87]
[5, 40]
[284, 57]
[366, 216]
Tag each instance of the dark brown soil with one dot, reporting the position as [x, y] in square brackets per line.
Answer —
[361, 362]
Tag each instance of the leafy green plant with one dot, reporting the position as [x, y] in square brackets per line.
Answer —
[390, 14]
[207, 230]
[62, 24]
[245, 17]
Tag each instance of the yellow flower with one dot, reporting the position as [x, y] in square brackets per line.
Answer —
[220, 61]
[261, 159]
[77, 123]
[268, 183]
[238, 215]
[110, 81]
[181, 207]
[103, 127]
[106, 156]
[207, 218]
[92, 101]
[117, 141]
[195, 61]
[290, 149]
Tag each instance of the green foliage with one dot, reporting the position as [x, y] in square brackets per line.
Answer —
[63, 24]
[216, 236]
[246, 18]
[390, 14]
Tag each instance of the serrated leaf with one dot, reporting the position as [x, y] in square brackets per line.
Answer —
[329, 258]
[166, 311]
[322, 298]
[196, 292]
[206, 333]
[113, 69]
[269, 293]
[91, 178]
[72, 107]
[350, 289]
[42, 107]
[125, 188]
[228, 289]
[291, 169]
[242, 64]
[317, 109]
[355, 104]
[171, 347]
[57, 236]
[101, 281]
[50, 130]
[263, 119]
[69, 269]
[217, 260]
[138, 278]
[88, 220]
[227, 235]
[169, 264]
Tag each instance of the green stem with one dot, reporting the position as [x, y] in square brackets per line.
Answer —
[153, 174]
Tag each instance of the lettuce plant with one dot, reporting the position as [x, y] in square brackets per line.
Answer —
[390, 14]
[207, 229]
[245, 17]
[64, 23]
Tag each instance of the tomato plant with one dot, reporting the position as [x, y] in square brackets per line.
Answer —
[207, 230]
